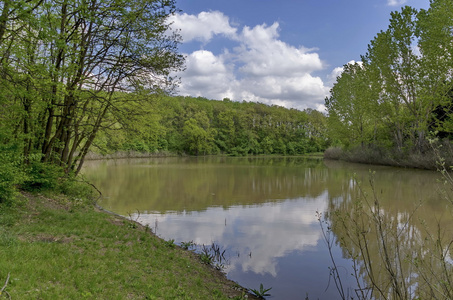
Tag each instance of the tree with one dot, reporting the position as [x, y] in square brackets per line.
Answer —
[226, 133]
[350, 107]
[198, 135]
[404, 78]
[395, 67]
[73, 60]
[436, 48]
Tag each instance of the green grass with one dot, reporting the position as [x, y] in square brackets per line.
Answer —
[55, 249]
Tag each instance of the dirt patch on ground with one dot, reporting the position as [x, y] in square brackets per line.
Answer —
[45, 238]
[60, 203]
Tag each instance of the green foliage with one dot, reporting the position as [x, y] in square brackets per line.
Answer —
[10, 175]
[187, 245]
[198, 126]
[66, 73]
[70, 72]
[262, 292]
[77, 191]
[42, 177]
[170, 243]
[206, 258]
[350, 107]
[198, 136]
[396, 96]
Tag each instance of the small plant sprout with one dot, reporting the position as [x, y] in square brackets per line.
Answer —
[187, 245]
[170, 243]
[205, 256]
[262, 292]
[133, 223]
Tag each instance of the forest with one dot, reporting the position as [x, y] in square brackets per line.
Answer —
[198, 126]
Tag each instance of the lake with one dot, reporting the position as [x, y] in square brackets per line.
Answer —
[259, 216]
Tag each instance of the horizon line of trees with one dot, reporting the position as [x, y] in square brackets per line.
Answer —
[401, 92]
[198, 126]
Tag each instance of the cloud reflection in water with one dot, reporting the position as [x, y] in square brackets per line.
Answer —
[254, 235]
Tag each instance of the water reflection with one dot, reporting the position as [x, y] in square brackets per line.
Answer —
[398, 238]
[194, 184]
[255, 235]
[263, 211]
[259, 241]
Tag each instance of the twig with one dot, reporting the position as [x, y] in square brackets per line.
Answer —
[4, 287]
[334, 273]
[83, 180]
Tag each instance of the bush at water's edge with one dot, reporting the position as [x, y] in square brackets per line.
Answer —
[428, 159]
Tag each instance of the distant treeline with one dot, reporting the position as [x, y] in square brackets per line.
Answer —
[198, 126]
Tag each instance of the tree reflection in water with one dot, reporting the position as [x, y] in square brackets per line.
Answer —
[396, 254]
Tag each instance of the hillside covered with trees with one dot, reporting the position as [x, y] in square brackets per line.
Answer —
[399, 96]
[198, 126]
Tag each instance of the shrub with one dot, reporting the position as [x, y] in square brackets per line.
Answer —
[380, 155]
[11, 174]
[333, 153]
[42, 176]
[76, 190]
[9, 178]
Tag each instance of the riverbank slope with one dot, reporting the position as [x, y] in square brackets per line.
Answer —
[53, 248]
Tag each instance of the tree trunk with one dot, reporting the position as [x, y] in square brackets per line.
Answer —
[4, 19]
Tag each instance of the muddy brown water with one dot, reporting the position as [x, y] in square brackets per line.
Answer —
[261, 213]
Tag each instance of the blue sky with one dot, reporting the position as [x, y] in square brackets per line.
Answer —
[285, 52]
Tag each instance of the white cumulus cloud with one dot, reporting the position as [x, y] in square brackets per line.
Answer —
[255, 66]
[264, 54]
[203, 26]
[207, 76]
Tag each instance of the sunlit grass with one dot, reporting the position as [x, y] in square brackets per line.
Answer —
[57, 251]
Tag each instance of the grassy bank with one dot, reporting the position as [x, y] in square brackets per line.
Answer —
[53, 248]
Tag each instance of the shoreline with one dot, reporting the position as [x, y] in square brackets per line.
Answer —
[434, 159]
[78, 249]
[236, 287]
[135, 154]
